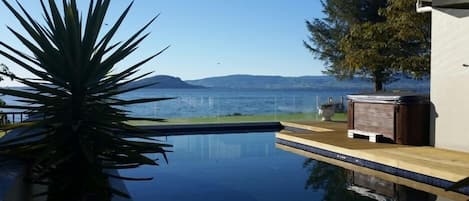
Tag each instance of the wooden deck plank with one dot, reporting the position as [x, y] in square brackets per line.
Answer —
[439, 163]
[388, 177]
[306, 127]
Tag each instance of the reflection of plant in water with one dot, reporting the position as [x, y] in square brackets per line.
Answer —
[8, 171]
[332, 179]
[77, 136]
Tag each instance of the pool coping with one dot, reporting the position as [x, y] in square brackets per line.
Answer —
[212, 128]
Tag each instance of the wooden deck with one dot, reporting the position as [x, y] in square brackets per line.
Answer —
[332, 136]
[381, 175]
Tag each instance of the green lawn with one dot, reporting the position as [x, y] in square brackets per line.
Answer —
[244, 118]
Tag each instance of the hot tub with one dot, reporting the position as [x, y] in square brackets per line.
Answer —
[401, 118]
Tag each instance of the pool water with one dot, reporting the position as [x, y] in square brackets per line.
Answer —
[242, 167]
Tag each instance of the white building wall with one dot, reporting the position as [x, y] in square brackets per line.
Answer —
[449, 79]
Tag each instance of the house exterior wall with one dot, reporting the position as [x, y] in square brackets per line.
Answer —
[450, 79]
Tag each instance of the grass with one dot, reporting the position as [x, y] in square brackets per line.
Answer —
[239, 118]
[243, 118]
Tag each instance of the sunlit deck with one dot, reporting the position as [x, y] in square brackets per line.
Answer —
[330, 137]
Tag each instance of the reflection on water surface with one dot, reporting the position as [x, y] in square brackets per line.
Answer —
[249, 167]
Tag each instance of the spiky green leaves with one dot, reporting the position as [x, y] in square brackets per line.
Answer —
[78, 118]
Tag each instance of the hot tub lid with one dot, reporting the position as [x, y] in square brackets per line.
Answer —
[390, 97]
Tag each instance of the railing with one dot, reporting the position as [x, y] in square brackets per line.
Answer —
[13, 117]
[226, 108]
[222, 107]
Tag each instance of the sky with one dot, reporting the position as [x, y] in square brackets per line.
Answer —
[207, 37]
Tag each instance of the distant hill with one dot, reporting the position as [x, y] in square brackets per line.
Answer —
[304, 82]
[164, 81]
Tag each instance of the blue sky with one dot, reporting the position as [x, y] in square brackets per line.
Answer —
[210, 37]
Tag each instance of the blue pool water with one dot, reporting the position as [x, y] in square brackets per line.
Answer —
[239, 167]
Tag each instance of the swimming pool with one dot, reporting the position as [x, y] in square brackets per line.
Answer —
[248, 167]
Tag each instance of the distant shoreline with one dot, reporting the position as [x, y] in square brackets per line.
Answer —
[256, 82]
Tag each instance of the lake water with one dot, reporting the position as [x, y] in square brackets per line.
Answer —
[223, 102]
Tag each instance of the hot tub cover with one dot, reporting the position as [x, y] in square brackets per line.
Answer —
[389, 97]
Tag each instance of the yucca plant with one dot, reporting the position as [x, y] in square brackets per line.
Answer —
[78, 130]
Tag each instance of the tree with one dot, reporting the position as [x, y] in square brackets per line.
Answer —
[375, 40]
[327, 33]
[332, 180]
[368, 53]
[412, 32]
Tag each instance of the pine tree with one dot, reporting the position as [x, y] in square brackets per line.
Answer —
[412, 31]
[373, 39]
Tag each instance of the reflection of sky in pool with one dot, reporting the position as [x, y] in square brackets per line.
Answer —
[238, 167]
[224, 167]
[246, 167]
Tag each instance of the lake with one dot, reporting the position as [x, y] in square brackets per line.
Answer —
[224, 102]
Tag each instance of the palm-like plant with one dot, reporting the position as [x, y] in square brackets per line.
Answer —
[79, 125]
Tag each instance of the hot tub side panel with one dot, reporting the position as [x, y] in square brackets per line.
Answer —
[412, 124]
[374, 117]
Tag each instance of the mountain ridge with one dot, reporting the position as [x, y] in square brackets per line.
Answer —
[164, 81]
[244, 81]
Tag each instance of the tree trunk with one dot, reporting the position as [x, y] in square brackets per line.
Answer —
[378, 85]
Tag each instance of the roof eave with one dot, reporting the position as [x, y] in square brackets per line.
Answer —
[454, 4]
